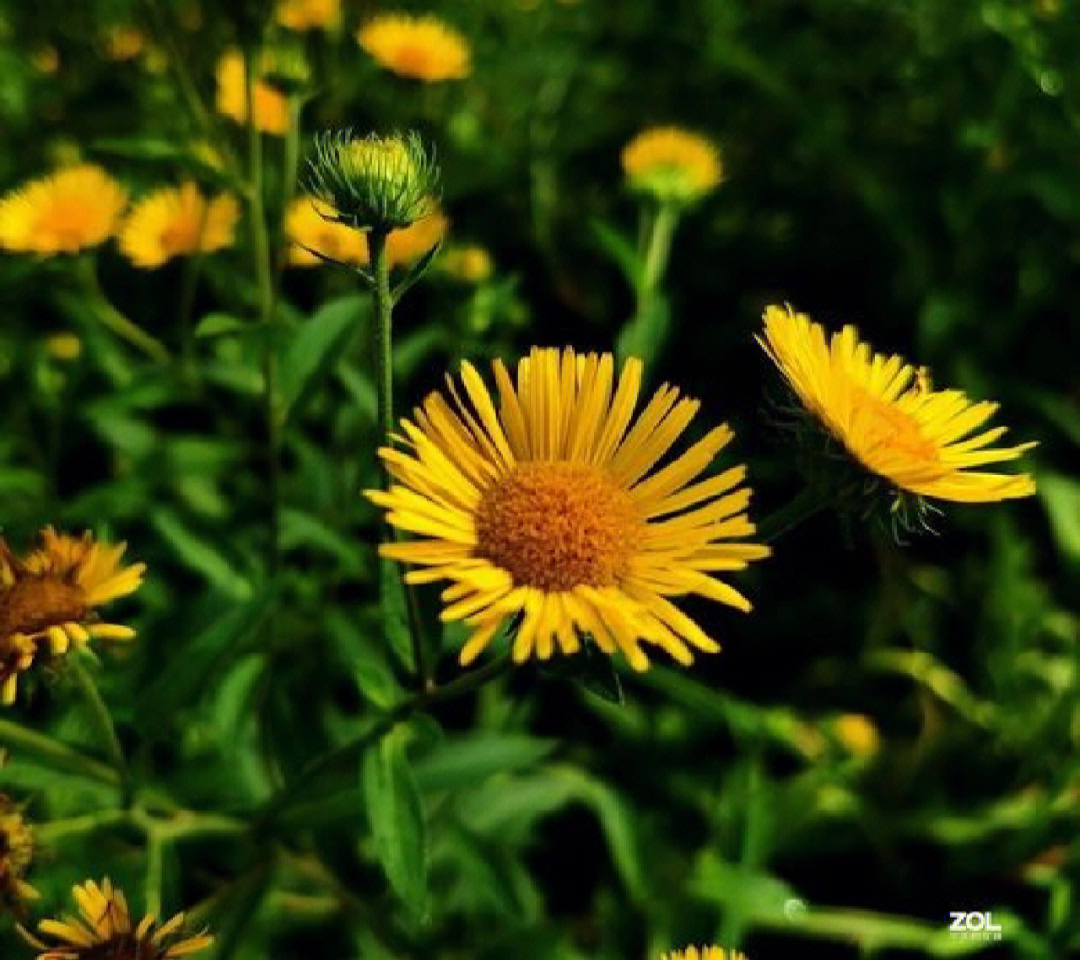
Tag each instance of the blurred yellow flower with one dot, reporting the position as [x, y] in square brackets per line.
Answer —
[123, 42]
[49, 600]
[420, 48]
[175, 222]
[467, 263]
[104, 929]
[63, 346]
[883, 412]
[271, 105]
[672, 164]
[304, 15]
[858, 733]
[46, 59]
[548, 508]
[16, 854]
[309, 228]
[704, 953]
[409, 244]
[68, 211]
[310, 232]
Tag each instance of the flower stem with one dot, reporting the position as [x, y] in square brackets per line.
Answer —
[805, 504]
[264, 275]
[384, 373]
[113, 320]
[102, 719]
[658, 248]
[54, 754]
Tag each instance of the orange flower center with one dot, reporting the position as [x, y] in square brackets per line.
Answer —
[37, 602]
[556, 526]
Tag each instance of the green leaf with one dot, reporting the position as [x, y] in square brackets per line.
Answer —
[416, 272]
[316, 344]
[621, 250]
[1061, 497]
[646, 335]
[393, 605]
[466, 761]
[197, 554]
[397, 820]
[221, 324]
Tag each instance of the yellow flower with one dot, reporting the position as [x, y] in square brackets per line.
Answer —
[858, 733]
[467, 264]
[176, 222]
[104, 930]
[549, 509]
[672, 164]
[312, 233]
[66, 212]
[704, 953]
[409, 244]
[63, 346]
[123, 42]
[308, 229]
[271, 105]
[420, 48]
[915, 439]
[304, 15]
[16, 854]
[48, 600]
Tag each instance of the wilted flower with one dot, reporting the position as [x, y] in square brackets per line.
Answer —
[374, 183]
[176, 222]
[420, 48]
[66, 212]
[549, 510]
[103, 931]
[48, 600]
[304, 15]
[16, 854]
[271, 106]
[905, 440]
[672, 164]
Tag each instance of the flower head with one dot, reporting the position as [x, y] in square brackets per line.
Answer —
[549, 509]
[905, 438]
[467, 264]
[409, 244]
[178, 222]
[103, 931]
[704, 953]
[672, 164]
[305, 15]
[271, 106]
[420, 48]
[374, 183]
[16, 854]
[49, 599]
[122, 42]
[66, 212]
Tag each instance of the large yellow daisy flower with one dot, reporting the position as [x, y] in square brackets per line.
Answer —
[548, 509]
[16, 854]
[176, 222]
[880, 409]
[48, 600]
[69, 211]
[672, 163]
[271, 106]
[104, 929]
[420, 48]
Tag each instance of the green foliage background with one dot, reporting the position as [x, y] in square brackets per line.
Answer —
[908, 165]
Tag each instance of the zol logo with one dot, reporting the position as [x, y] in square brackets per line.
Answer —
[974, 925]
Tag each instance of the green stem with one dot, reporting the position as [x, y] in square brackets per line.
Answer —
[384, 373]
[658, 248]
[113, 320]
[99, 714]
[264, 274]
[806, 504]
[52, 753]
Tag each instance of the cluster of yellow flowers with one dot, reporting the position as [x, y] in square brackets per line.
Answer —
[81, 207]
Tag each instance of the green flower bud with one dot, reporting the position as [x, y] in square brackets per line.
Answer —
[374, 183]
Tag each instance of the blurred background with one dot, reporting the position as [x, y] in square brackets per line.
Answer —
[889, 737]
